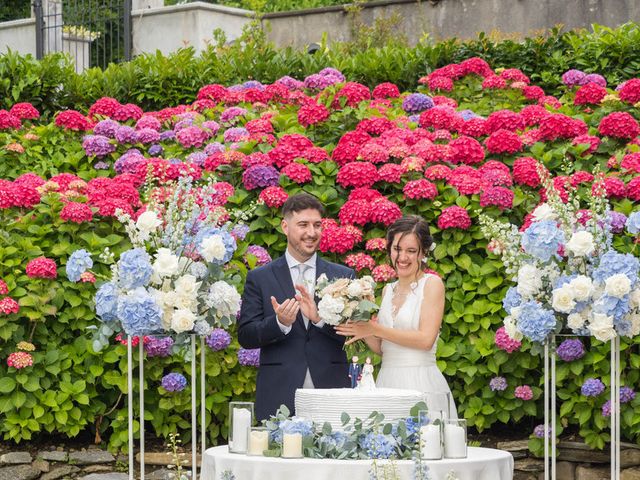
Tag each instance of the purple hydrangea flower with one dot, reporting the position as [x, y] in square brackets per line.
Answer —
[249, 357]
[594, 78]
[616, 221]
[332, 72]
[184, 123]
[260, 176]
[129, 162]
[126, 134]
[218, 339]
[213, 147]
[106, 128]
[626, 394]
[260, 253]
[148, 135]
[592, 387]
[498, 384]
[147, 121]
[237, 134]
[570, 350]
[323, 79]
[197, 158]
[414, 118]
[606, 409]
[290, 82]
[167, 135]
[97, 145]
[240, 231]
[158, 346]
[416, 103]
[253, 84]
[539, 431]
[231, 113]
[468, 114]
[101, 165]
[156, 150]
[174, 382]
[211, 125]
[573, 77]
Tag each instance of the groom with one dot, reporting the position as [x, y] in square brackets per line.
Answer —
[279, 314]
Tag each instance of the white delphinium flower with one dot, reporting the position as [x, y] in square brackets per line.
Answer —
[224, 299]
[582, 287]
[182, 320]
[529, 281]
[581, 244]
[562, 299]
[617, 285]
[330, 308]
[212, 248]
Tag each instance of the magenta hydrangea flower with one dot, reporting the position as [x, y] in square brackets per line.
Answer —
[158, 346]
[236, 134]
[524, 392]
[573, 77]
[231, 113]
[505, 342]
[260, 253]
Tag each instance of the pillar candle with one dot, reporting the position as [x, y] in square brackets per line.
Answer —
[258, 442]
[241, 424]
[455, 443]
[292, 445]
[431, 447]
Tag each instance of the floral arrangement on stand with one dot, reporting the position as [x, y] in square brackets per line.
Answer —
[568, 275]
[175, 279]
[372, 438]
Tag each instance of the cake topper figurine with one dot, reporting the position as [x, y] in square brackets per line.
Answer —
[354, 371]
[367, 382]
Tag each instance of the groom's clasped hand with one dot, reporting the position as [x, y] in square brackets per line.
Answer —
[303, 302]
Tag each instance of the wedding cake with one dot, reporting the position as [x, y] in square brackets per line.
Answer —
[327, 405]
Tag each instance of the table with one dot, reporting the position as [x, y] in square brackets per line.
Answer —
[480, 464]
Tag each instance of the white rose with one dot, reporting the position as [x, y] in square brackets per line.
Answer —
[562, 300]
[529, 281]
[601, 327]
[575, 321]
[212, 248]
[582, 288]
[166, 263]
[617, 285]
[187, 285]
[635, 325]
[330, 308]
[543, 212]
[634, 298]
[581, 244]
[147, 223]
[511, 328]
[182, 320]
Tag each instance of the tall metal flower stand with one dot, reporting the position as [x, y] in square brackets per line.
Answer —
[550, 415]
[194, 420]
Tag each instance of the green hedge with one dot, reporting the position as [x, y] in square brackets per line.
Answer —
[155, 81]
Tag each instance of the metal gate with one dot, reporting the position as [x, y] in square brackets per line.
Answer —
[94, 33]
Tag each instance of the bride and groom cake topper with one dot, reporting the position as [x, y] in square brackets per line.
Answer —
[279, 315]
[361, 376]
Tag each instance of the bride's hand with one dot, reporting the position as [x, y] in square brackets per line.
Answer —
[357, 330]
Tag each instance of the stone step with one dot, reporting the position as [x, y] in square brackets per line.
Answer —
[165, 458]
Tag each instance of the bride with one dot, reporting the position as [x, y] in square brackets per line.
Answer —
[408, 325]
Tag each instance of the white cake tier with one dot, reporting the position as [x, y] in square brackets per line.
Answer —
[327, 405]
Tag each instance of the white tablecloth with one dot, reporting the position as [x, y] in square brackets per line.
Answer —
[480, 464]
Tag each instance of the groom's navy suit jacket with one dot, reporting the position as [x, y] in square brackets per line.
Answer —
[284, 359]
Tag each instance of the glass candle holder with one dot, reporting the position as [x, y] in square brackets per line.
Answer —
[430, 435]
[258, 441]
[240, 421]
[455, 438]
[439, 401]
[291, 445]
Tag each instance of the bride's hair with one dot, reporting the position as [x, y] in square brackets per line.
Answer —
[411, 224]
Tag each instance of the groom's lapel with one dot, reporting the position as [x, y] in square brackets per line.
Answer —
[282, 274]
[322, 266]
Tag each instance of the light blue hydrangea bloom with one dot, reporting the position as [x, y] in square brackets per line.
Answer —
[542, 239]
[139, 313]
[633, 223]
[78, 263]
[377, 445]
[535, 322]
[511, 299]
[107, 301]
[612, 263]
[612, 306]
[134, 269]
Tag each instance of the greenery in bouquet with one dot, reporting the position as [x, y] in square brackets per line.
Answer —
[568, 275]
[177, 279]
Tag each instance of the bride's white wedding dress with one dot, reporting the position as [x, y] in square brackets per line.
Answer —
[410, 368]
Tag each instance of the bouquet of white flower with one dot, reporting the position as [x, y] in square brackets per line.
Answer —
[566, 271]
[346, 299]
[174, 280]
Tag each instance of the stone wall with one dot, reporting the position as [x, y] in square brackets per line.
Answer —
[19, 36]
